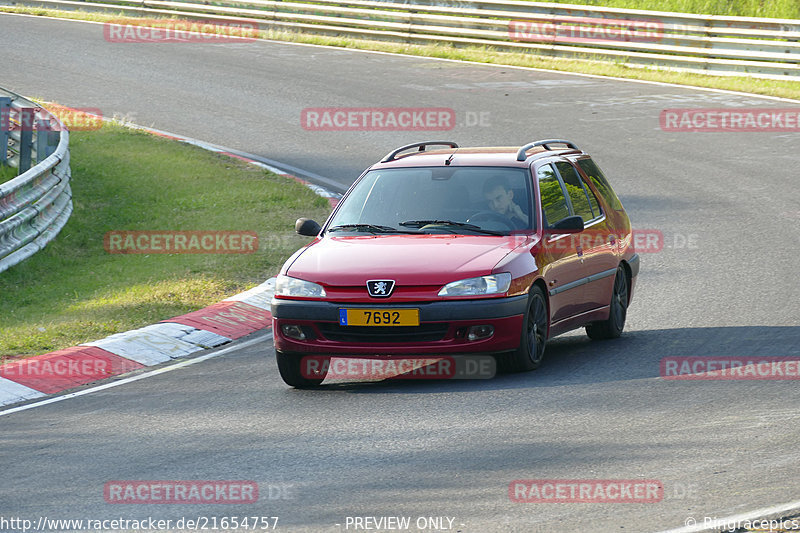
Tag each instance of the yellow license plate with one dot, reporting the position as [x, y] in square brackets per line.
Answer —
[378, 317]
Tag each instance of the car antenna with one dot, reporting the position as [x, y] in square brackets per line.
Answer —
[450, 159]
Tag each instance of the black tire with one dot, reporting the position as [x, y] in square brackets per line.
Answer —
[289, 366]
[533, 338]
[618, 311]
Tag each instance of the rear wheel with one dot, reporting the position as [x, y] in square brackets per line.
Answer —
[533, 339]
[293, 374]
[618, 311]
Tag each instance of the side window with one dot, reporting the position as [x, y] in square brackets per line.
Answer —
[599, 181]
[583, 201]
[554, 204]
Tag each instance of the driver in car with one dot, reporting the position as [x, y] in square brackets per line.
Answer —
[501, 200]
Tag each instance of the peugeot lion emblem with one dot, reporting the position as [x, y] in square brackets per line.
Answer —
[380, 288]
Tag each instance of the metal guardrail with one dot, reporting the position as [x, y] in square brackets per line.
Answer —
[741, 46]
[36, 204]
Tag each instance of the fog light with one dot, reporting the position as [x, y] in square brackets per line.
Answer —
[480, 332]
[293, 332]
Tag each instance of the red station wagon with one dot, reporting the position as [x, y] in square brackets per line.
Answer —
[454, 252]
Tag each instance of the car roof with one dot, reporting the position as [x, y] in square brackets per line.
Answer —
[505, 156]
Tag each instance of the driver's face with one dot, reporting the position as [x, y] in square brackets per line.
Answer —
[500, 199]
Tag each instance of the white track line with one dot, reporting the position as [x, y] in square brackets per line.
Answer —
[182, 364]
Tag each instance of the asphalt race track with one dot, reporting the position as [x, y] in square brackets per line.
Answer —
[724, 284]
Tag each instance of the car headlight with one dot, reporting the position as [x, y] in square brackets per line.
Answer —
[288, 286]
[493, 284]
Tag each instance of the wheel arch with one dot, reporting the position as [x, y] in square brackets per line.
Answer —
[628, 278]
[539, 282]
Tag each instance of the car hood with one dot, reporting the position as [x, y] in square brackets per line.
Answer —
[407, 259]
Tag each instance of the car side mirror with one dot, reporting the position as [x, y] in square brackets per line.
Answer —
[571, 224]
[308, 227]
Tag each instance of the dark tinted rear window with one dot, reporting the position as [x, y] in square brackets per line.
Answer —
[583, 201]
[599, 181]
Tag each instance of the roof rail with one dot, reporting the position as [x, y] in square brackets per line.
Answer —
[391, 156]
[521, 156]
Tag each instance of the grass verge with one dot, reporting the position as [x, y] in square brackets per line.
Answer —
[483, 54]
[784, 9]
[73, 291]
[7, 173]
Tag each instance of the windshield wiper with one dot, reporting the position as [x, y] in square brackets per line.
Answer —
[372, 228]
[464, 225]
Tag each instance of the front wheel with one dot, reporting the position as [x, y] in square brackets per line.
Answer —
[618, 311]
[290, 366]
[533, 339]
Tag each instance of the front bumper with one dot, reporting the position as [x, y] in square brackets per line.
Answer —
[442, 330]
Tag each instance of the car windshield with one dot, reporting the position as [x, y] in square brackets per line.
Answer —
[470, 200]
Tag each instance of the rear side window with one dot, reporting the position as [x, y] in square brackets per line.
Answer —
[583, 200]
[601, 184]
[554, 204]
